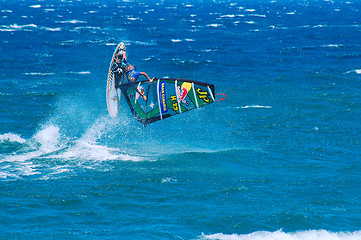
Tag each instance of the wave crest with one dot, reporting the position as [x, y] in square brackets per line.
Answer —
[278, 235]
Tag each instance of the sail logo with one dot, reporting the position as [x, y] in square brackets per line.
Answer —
[182, 91]
[175, 103]
[162, 98]
[203, 95]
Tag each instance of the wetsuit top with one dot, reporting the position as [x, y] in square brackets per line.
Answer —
[133, 75]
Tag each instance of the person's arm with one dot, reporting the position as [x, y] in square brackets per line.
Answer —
[146, 75]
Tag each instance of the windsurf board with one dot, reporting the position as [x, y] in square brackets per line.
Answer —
[113, 93]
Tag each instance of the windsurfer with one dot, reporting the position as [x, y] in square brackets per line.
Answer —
[121, 66]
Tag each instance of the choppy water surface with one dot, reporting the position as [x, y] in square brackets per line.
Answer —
[278, 159]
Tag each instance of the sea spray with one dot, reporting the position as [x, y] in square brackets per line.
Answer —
[280, 235]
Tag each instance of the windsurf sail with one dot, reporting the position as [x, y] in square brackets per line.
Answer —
[166, 97]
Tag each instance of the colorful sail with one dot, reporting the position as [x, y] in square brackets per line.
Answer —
[166, 97]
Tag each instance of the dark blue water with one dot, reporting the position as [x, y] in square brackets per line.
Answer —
[278, 159]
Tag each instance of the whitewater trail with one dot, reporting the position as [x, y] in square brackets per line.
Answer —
[40, 153]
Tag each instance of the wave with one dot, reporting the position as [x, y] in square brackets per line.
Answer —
[150, 43]
[215, 25]
[228, 16]
[180, 40]
[358, 71]
[50, 152]
[80, 73]
[35, 6]
[50, 143]
[11, 137]
[15, 27]
[27, 27]
[257, 15]
[71, 21]
[38, 74]
[44, 142]
[255, 106]
[277, 235]
[332, 45]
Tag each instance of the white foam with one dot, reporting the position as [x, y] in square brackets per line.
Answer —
[151, 43]
[215, 25]
[26, 27]
[83, 150]
[80, 73]
[169, 180]
[6, 30]
[88, 148]
[48, 138]
[48, 143]
[6, 175]
[280, 235]
[257, 15]
[35, 6]
[72, 21]
[51, 29]
[358, 71]
[11, 137]
[228, 16]
[44, 142]
[255, 106]
[56, 171]
[15, 26]
[38, 74]
[332, 45]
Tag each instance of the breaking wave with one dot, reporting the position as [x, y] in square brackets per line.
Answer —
[50, 151]
[280, 235]
[11, 137]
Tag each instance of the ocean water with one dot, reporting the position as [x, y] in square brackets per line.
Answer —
[279, 158]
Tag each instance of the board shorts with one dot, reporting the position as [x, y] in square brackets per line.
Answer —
[133, 76]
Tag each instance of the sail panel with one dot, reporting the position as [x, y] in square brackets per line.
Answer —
[166, 97]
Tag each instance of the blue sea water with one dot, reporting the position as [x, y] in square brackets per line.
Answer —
[279, 158]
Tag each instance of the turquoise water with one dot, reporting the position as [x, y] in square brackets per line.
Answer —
[279, 158]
